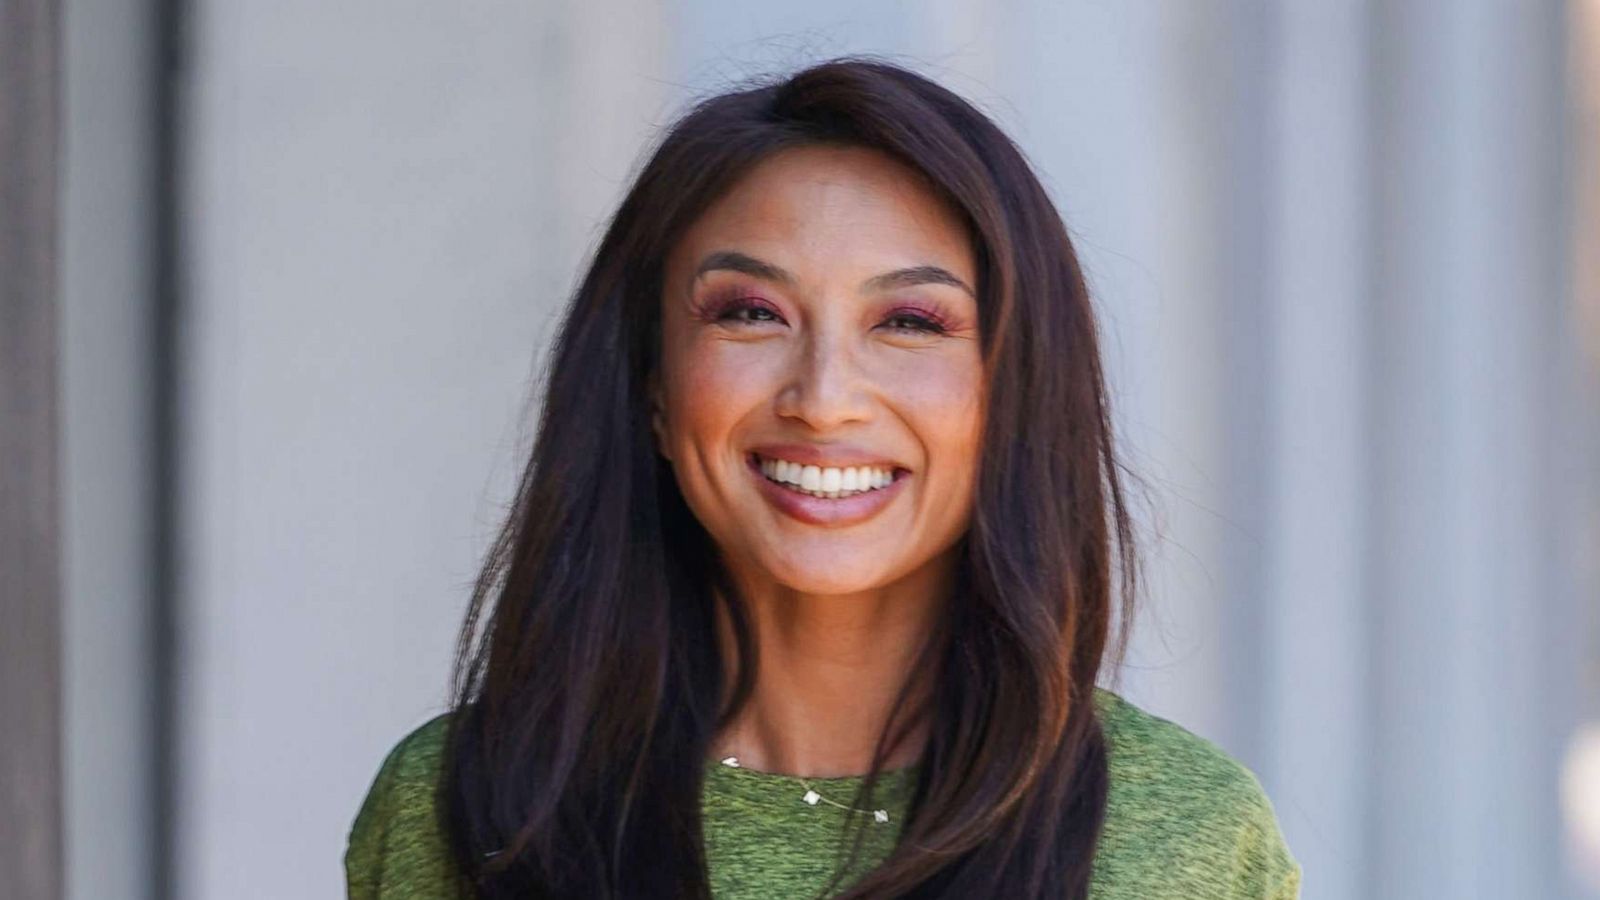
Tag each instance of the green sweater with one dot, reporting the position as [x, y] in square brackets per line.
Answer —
[1183, 820]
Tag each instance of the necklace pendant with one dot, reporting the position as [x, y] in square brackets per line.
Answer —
[812, 797]
[881, 815]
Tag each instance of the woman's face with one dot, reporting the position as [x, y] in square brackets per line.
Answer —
[820, 393]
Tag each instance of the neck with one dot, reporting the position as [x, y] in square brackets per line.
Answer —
[830, 669]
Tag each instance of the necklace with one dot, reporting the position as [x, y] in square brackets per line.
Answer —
[812, 798]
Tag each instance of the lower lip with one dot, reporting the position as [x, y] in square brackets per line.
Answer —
[824, 510]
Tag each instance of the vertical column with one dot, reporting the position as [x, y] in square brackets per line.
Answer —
[1580, 801]
[30, 590]
[1468, 615]
[110, 450]
[1317, 259]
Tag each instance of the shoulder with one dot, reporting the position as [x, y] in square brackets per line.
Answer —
[1183, 817]
[1149, 754]
[396, 846]
[416, 757]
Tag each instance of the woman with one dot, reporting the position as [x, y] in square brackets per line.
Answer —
[809, 577]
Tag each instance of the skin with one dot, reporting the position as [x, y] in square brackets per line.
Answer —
[822, 358]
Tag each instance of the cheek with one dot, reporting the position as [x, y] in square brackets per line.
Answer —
[941, 397]
[710, 386]
[944, 406]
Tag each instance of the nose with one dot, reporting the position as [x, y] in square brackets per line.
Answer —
[826, 388]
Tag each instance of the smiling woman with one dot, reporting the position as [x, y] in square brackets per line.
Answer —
[810, 575]
[827, 328]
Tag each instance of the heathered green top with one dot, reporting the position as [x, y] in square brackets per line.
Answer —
[1184, 821]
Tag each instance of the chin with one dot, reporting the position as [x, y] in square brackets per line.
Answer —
[829, 576]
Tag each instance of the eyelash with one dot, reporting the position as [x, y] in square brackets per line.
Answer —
[929, 321]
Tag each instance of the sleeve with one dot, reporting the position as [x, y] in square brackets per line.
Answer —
[1264, 869]
[363, 855]
[396, 849]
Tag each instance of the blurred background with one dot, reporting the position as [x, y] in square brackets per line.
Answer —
[281, 274]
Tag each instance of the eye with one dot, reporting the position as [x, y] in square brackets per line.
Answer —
[907, 321]
[749, 312]
[741, 311]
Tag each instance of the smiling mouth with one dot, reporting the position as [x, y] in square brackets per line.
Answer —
[826, 482]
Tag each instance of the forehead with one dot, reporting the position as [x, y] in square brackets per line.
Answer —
[832, 205]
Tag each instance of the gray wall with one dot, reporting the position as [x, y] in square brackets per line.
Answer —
[1329, 241]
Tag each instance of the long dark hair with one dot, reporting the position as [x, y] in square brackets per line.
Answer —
[589, 683]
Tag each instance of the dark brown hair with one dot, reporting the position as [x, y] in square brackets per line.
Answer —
[589, 683]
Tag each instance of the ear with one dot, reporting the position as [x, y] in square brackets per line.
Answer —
[658, 414]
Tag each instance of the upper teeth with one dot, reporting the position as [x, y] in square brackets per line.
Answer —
[827, 481]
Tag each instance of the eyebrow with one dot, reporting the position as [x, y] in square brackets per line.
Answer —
[734, 261]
